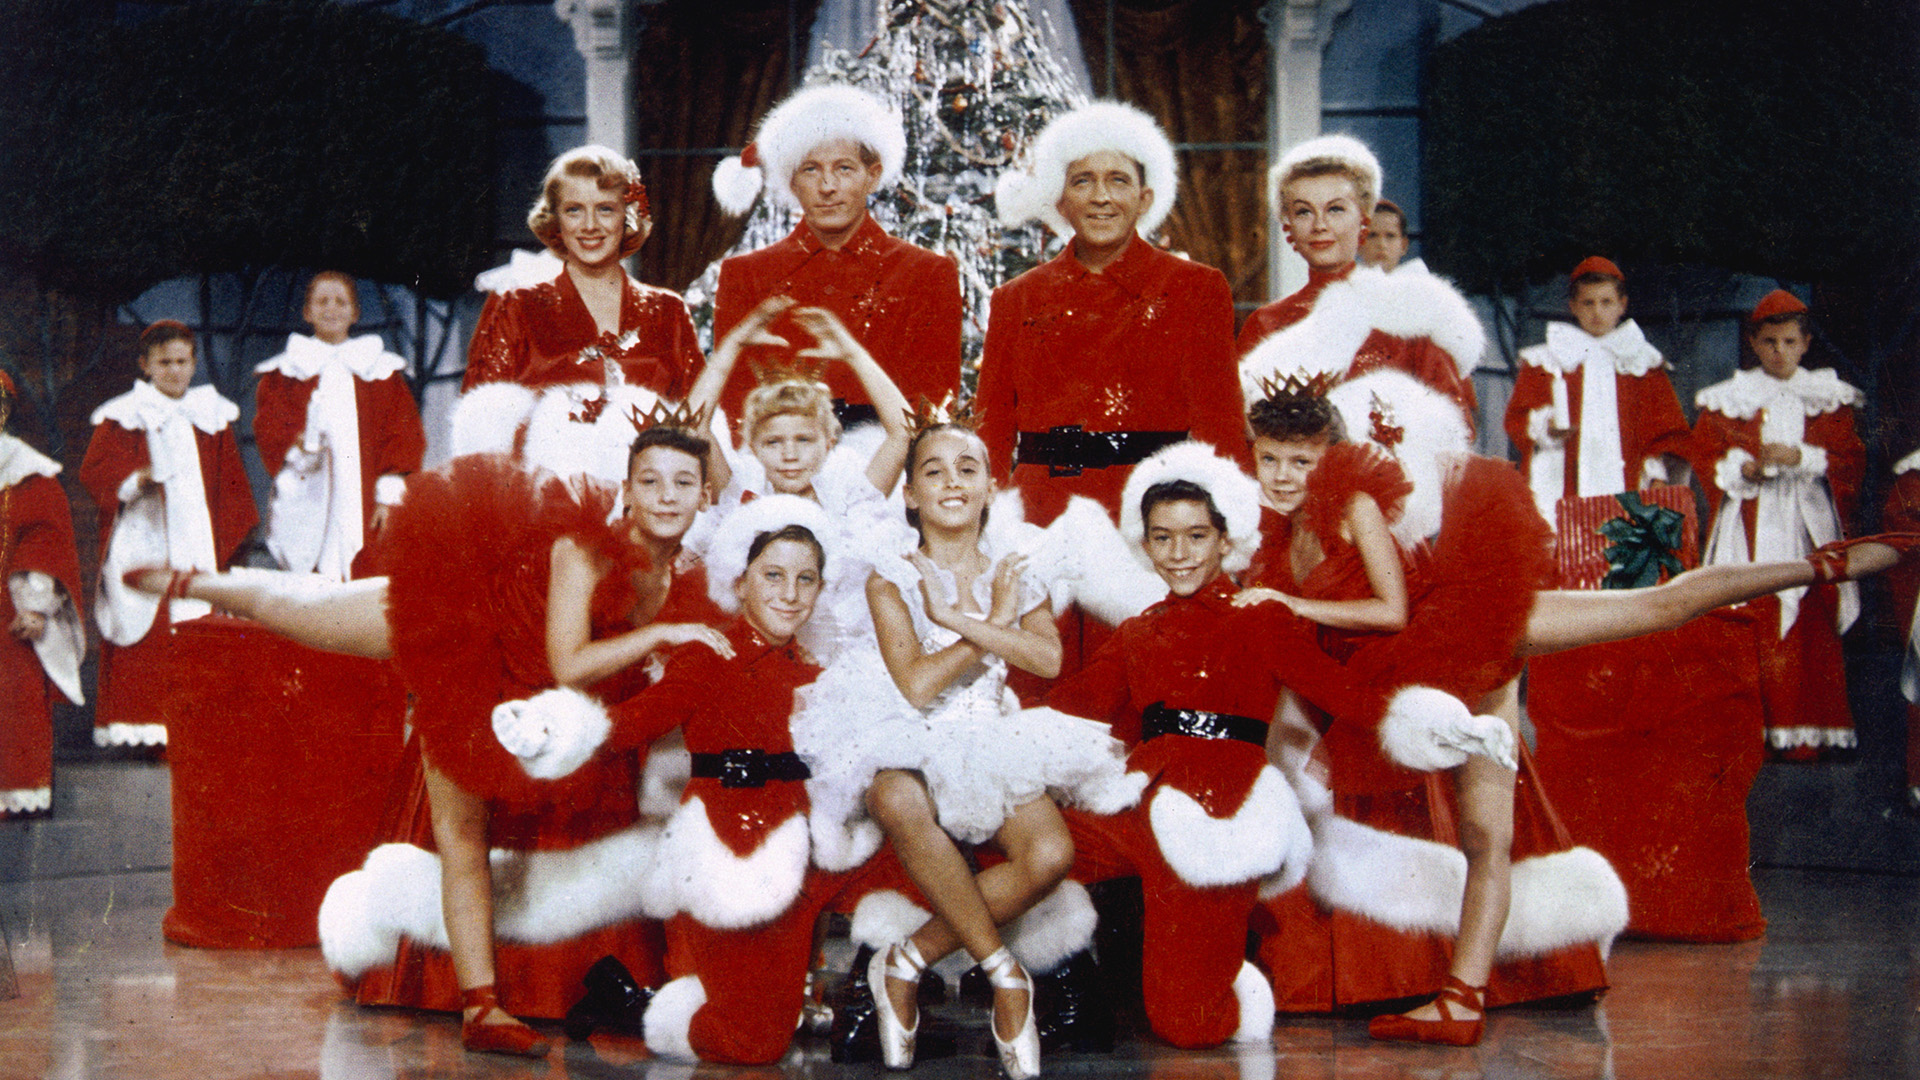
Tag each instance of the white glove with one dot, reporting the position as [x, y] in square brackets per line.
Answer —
[553, 732]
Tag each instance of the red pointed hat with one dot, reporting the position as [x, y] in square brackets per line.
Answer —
[1778, 302]
[1596, 264]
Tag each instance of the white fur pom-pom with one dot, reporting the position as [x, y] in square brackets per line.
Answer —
[553, 732]
[1255, 997]
[1429, 730]
[1012, 198]
[736, 186]
[668, 1022]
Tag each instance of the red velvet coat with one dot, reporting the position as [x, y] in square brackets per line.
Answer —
[36, 533]
[1145, 345]
[1200, 652]
[392, 441]
[534, 337]
[900, 301]
[1651, 422]
[117, 453]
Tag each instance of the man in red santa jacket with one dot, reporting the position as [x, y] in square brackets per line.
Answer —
[824, 151]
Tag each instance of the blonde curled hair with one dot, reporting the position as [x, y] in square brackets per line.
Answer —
[610, 172]
[789, 397]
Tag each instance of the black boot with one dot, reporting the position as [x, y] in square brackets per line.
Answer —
[613, 1001]
[855, 1036]
[1071, 1006]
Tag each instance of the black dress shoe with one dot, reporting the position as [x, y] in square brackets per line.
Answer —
[613, 1002]
[1072, 1008]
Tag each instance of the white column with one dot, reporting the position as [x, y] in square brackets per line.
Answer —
[601, 31]
[1297, 35]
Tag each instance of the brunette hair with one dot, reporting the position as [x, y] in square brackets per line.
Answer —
[673, 438]
[1167, 491]
[1305, 416]
[1388, 206]
[799, 534]
[913, 457]
[1594, 277]
[789, 397]
[610, 172]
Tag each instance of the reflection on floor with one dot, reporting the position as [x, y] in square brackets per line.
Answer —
[1831, 992]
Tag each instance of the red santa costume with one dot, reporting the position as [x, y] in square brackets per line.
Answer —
[1085, 373]
[1360, 930]
[470, 548]
[540, 336]
[1189, 685]
[1350, 321]
[166, 478]
[42, 572]
[339, 431]
[900, 301]
[731, 873]
[1781, 517]
[1614, 393]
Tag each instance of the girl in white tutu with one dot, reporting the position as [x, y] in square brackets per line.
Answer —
[939, 746]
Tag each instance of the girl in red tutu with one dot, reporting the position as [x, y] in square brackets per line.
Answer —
[505, 582]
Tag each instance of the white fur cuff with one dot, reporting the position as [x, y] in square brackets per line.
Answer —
[1728, 478]
[1813, 460]
[390, 489]
[669, 1019]
[1255, 996]
[1057, 927]
[553, 732]
[1429, 730]
[1538, 424]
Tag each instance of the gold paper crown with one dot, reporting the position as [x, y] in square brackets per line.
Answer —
[793, 367]
[664, 413]
[1297, 386]
[928, 414]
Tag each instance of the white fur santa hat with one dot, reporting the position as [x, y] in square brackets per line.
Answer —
[1235, 494]
[1342, 150]
[727, 556]
[1101, 125]
[809, 117]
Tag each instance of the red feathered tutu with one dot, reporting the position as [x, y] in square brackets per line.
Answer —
[468, 555]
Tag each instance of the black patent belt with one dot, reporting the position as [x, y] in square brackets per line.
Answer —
[1068, 449]
[1157, 720]
[749, 767]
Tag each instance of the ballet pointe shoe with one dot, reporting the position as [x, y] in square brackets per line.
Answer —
[174, 589]
[904, 963]
[511, 1037]
[1831, 563]
[1448, 1030]
[1020, 1055]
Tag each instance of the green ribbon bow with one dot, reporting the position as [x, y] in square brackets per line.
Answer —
[1642, 544]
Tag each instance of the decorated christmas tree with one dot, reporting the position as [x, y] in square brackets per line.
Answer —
[974, 81]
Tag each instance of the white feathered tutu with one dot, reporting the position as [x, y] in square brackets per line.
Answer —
[979, 753]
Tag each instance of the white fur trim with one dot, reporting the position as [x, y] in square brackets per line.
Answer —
[1089, 129]
[1434, 434]
[1235, 494]
[884, 917]
[553, 732]
[668, 1023]
[735, 186]
[1344, 149]
[1404, 304]
[1816, 391]
[19, 461]
[143, 408]
[726, 556]
[1255, 996]
[390, 490]
[26, 800]
[1728, 477]
[486, 418]
[540, 897]
[1083, 560]
[523, 270]
[1057, 927]
[696, 872]
[1429, 730]
[1560, 899]
[842, 843]
[817, 114]
[1907, 464]
[130, 735]
[663, 780]
[1813, 460]
[1261, 838]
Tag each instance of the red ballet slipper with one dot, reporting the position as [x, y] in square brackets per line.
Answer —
[177, 580]
[1830, 560]
[512, 1037]
[1448, 1030]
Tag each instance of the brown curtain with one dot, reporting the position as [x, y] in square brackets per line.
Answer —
[703, 74]
[1199, 67]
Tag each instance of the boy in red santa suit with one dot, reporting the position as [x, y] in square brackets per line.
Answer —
[1347, 321]
[339, 430]
[40, 609]
[825, 151]
[165, 475]
[1593, 412]
[1190, 685]
[1776, 449]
